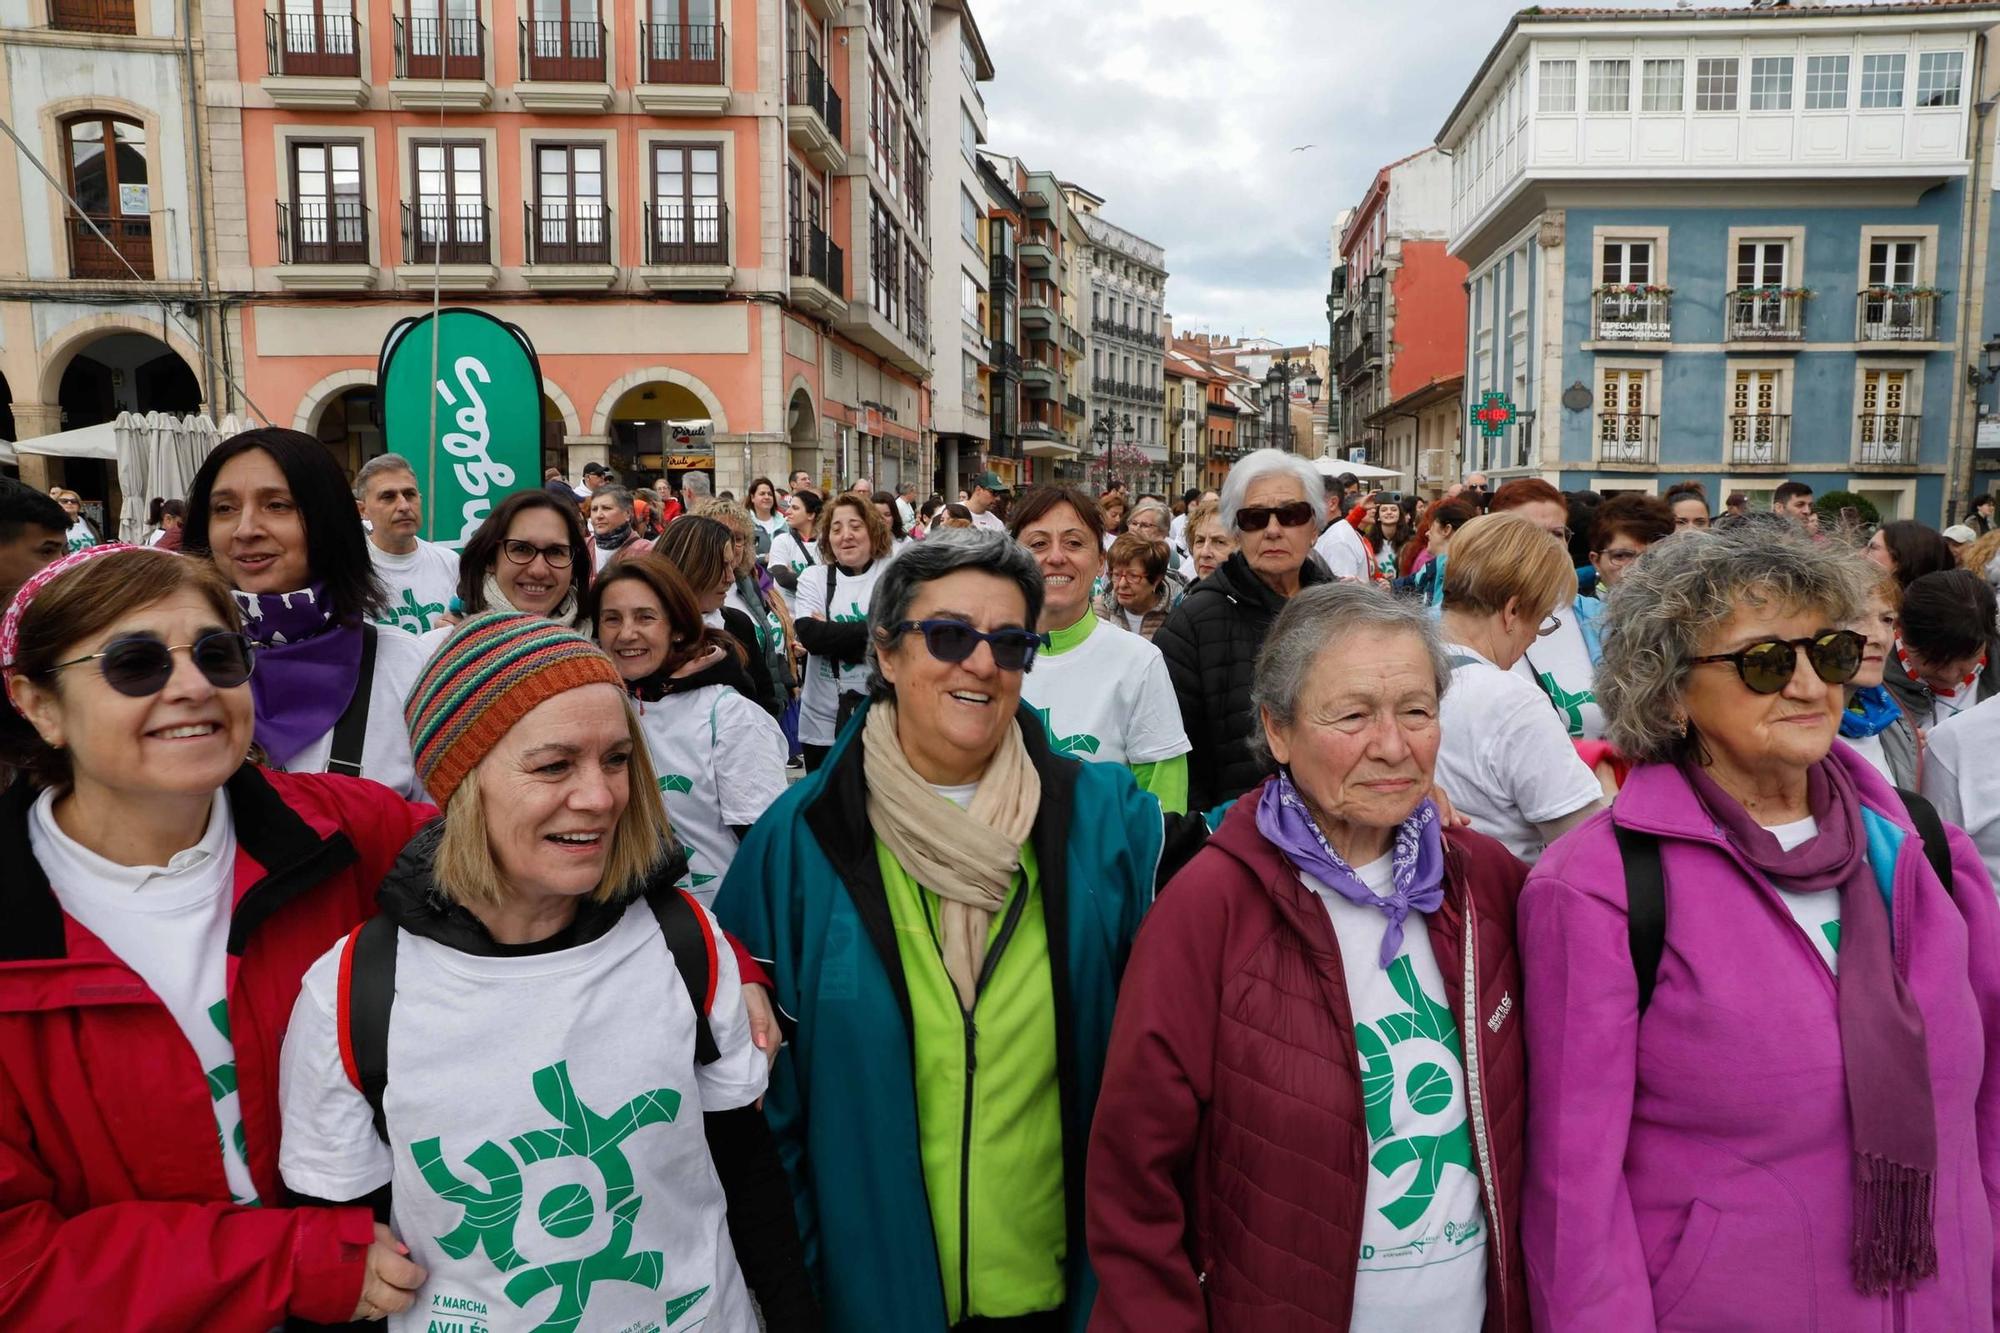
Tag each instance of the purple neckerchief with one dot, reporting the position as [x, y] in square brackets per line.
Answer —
[1418, 868]
[307, 667]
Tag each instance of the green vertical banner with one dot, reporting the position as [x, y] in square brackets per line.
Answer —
[462, 400]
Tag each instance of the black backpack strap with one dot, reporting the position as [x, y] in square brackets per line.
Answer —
[1937, 848]
[1645, 906]
[350, 734]
[367, 992]
[692, 942]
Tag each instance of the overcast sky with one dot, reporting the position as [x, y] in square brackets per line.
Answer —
[1183, 115]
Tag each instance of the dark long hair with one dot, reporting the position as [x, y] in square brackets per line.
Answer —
[336, 547]
[482, 552]
[688, 637]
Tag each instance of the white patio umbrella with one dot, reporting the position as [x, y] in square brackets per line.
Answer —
[1333, 467]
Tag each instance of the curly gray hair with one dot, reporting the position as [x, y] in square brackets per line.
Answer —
[1661, 613]
[941, 553]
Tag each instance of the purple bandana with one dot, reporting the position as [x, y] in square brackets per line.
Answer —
[307, 667]
[1418, 867]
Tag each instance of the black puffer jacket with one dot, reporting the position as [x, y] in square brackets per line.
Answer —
[1211, 643]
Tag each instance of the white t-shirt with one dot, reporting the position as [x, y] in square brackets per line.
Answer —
[1946, 705]
[1108, 699]
[1422, 1266]
[788, 553]
[1818, 914]
[825, 681]
[720, 760]
[79, 538]
[385, 746]
[1504, 758]
[1870, 748]
[1346, 555]
[1561, 663]
[1962, 779]
[169, 924]
[421, 585]
[988, 520]
[490, 1061]
[771, 526]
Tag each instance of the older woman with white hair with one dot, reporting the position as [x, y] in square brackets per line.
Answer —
[1762, 990]
[1273, 501]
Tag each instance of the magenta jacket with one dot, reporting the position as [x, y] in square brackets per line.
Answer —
[1701, 1178]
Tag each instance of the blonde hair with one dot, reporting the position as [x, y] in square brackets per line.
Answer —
[1980, 552]
[467, 873]
[1498, 557]
[740, 522]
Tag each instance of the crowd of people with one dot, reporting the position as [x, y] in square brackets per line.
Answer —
[1282, 907]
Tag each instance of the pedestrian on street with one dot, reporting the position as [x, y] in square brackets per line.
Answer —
[1561, 665]
[756, 596]
[1209, 542]
[796, 549]
[832, 620]
[1873, 724]
[704, 552]
[1341, 548]
[612, 535]
[987, 502]
[1622, 528]
[529, 555]
[1946, 642]
[1762, 1034]
[1981, 517]
[1441, 524]
[31, 534]
[768, 513]
[948, 906]
[1689, 502]
[1143, 589]
[419, 578]
[82, 533]
[1309, 1119]
[1909, 550]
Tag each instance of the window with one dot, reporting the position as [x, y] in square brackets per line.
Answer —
[572, 224]
[1939, 75]
[1715, 84]
[115, 16]
[1558, 84]
[568, 41]
[318, 38]
[688, 225]
[1887, 435]
[968, 134]
[1610, 85]
[1760, 264]
[328, 223]
[1628, 263]
[450, 221]
[968, 298]
[1757, 308]
[1771, 83]
[968, 216]
[1663, 85]
[1624, 431]
[446, 39]
[796, 231]
[1894, 263]
[1882, 81]
[1826, 83]
[1756, 428]
[108, 180]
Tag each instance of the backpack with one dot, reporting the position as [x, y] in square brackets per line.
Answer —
[1646, 886]
[366, 990]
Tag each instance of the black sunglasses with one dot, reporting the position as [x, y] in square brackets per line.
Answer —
[1255, 518]
[142, 666]
[954, 641]
[1768, 665]
[524, 553]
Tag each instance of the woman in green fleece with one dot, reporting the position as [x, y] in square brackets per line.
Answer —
[1103, 693]
[946, 905]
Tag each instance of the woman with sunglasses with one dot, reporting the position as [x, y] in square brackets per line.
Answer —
[271, 510]
[1763, 1036]
[163, 897]
[948, 905]
[832, 618]
[1273, 501]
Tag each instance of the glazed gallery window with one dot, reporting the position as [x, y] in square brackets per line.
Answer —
[1558, 86]
[1715, 84]
[1610, 85]
[1939, 76]
[1771, 83]
[1882, 81]
[1826, 83]
[1662, 85]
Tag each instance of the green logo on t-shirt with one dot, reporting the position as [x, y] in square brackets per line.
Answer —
[1568, 704]
[222, 1082]
[411, 614]
[1081, 743]
[1428, 1087]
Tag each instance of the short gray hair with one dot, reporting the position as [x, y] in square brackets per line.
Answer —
[1155, 506]
[1658, 617]
[943, 552]
[615, 493]
[1261, 463]
[696, 484]
[375, 467]
[1322, 617]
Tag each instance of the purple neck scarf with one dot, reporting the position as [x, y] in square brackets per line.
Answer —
[307, 667]
[1882, 1042]
[1418, 883]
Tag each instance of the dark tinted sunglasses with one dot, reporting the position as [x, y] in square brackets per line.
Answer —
[142, 666]
[954, 641]
[1255, 518]
[1768, 665]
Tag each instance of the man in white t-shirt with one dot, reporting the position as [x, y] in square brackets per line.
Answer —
[1340, 546]
[988, 491]
[421, 578]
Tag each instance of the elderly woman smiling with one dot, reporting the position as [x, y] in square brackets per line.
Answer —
[1313, 1100]
[947, 906]
[1804, 1131]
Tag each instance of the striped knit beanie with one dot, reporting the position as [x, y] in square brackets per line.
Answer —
[492, 671]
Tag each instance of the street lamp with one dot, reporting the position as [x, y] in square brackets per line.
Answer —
[1278, 392]
[1106, 429]
[1989, 370]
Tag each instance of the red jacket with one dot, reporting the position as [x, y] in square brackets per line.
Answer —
[1229, 1154]
[114, 1213]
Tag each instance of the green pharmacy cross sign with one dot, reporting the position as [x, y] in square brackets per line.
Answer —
[1493, 413]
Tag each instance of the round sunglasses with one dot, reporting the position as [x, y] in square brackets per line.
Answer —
[1768, 665]
[954, 641]
[142, 665]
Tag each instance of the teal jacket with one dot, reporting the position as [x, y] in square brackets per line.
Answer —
[805, 896]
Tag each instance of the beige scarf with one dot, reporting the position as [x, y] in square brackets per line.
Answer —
[968, 857]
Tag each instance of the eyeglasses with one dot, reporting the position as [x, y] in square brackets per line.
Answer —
[1624, 557]
[1549, 626]
[524, 553]
[1768, 665]
[1560, 534]
[142, 666]
[1255, 518]
[954, 641]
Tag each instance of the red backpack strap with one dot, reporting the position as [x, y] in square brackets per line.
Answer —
[366, 993]
[691, 939]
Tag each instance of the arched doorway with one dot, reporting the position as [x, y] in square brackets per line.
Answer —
[553, 430]
[661, 428]
[802, 428]
[347, 428]
[119, 372]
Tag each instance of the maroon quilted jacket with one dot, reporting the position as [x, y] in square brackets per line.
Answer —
[1229, 1154]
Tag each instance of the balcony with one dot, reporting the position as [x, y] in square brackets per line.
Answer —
[819, 272]
[1760, 439]
[1044, 439]
[1888, 441]
[130, 242]
[313, 60]
[812, 113]
[323, 246]
[1632, 314]
[440, 65]
[1072, 339]
[568, 245]
[1037, 257]
[449, 240]
[1037, 204]
[1628, 437]
[683, 69]
[105, 16]
[1038, 380]
[1891, 315]
[687, 246]
[1038, 316]
[906, 346]
[1767, 315]
[1364, 350]
[1075, 406]
[563, 66]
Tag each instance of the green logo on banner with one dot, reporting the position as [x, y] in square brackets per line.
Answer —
[486, 387]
